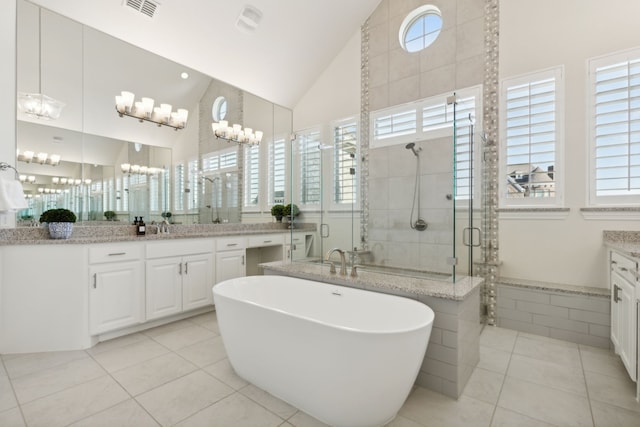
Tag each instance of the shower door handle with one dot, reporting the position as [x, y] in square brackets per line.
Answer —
[468, 236]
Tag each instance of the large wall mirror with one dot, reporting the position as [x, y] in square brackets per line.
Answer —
[120, 164]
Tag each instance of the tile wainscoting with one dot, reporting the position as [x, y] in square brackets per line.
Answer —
[577, 314]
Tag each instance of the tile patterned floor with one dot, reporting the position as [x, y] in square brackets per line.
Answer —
[178, 375]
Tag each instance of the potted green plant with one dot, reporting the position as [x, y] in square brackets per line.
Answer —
[110, 215]
[291, 210]
[59, 221]
[166, 215]
[278, 212]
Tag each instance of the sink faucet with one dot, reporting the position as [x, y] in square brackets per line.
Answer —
[343, 261]
[163, 227]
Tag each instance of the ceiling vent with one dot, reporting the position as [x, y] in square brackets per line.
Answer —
[145, 7]
[249, 19]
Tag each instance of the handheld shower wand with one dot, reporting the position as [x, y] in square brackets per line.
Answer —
[411, 146]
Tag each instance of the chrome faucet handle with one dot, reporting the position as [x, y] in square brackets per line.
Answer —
[354, 272]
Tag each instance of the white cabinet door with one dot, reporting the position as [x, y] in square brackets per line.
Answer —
[197, 281]
[164, 287]
[116, 297]
[623, 327]
[230, 264]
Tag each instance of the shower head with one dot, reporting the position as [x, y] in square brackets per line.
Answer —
[411, 146]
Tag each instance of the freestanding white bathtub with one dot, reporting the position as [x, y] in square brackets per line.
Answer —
[345, 356]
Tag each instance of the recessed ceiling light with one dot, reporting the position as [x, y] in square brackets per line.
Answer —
[184, 75]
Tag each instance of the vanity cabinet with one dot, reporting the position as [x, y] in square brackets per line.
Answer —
[624, 317]
[231, 258]
[179, 277]
[116, 287]
[298, 245]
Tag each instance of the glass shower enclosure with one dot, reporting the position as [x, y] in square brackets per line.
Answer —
[399, 196]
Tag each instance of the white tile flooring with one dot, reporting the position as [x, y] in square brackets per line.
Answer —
[178, 374]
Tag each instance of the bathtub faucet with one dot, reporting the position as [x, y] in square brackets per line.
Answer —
[343, 261]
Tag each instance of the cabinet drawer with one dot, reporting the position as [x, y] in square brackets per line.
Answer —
[231, 243]
[115, 252]
[296, 238]
[179, 247]
[265, 240]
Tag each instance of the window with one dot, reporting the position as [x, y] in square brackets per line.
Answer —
[219, 109]
[531, 129]
[310, 167]
[178, 188]
[219, 160]
[420, 28]
[192, 187]
[465, 125]
[277, 171]
[345, 149]
[251, 175]
[432, 118]
[615, 129]
[397, 122]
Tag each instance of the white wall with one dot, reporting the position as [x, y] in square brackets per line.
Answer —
[336, 94]
[538, 35]
[8, 94]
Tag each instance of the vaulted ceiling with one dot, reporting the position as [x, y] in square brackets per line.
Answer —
[294, 42]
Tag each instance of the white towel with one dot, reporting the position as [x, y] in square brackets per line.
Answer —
[11, 195]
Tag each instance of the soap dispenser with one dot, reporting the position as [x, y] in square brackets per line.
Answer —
[141, 228]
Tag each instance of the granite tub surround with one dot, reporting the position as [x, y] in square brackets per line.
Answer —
[454, 346]
[379, 282]
[83, 234]
[625, 242]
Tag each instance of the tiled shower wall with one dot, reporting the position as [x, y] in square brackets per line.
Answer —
[391, 76]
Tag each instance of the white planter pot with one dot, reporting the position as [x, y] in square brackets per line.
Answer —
[60, 230]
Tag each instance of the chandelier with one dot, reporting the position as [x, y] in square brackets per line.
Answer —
[144, 111]
[235, 133]
[39, 105]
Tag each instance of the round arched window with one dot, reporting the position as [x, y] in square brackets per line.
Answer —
[420, 28]
[219, 109]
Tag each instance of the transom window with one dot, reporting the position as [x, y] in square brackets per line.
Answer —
[420, 28]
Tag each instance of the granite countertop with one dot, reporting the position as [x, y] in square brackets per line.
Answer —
[126, 233]
[556, 287]
[625, 242]
[399, 285]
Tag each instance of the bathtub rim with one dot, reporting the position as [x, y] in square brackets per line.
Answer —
[428, 322]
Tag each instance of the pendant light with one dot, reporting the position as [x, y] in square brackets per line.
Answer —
[39, 105]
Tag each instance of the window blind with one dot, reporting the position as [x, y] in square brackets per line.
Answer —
[344, 168]
[251, 175]
[531, 137]
[310, 167]
[616, 94]
[277, 171]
